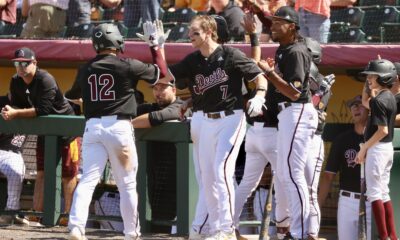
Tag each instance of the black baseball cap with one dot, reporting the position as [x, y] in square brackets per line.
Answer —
[288, 14]
[24, 55]
[354, 100]
[397, 66]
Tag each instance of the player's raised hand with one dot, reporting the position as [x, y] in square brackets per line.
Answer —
[150, 35]
[249, 23]
[162, 36]
[267, 65]
[255, 106]
[360, 158]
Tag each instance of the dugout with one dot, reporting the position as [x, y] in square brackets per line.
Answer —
[62, 58]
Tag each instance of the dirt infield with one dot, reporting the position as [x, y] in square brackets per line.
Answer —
[15, 232]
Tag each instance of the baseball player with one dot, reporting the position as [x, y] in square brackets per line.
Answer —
[297, 116]
[261, 140]
[214, 76]
[35, 92]
[106, 85]
[396, 92]
[12, 166]
[341, 160]
[377, 151]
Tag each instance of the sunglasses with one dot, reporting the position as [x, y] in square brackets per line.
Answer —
[22, 64]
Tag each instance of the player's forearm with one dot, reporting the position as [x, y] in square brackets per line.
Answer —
[283, 86]
[324, 186]
[365, 97]
[159, 60]
[397, 121]
[141, 121]
[261, 85]
[380, 133]
[25, 113]
[255, 47]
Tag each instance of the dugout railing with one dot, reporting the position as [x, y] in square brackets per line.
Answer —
[54, 126]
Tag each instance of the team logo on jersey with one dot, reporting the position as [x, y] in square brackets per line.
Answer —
[297, 84]
[18, 140]
[220, 59]
[204, 83]
[350, 155]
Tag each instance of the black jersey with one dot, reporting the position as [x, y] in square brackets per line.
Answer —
[341, 159]
[382, 113]
[270, 115]
[397, 97]
[158, 115]
[106, 84]
[42, 93]
[216, 82]
[292, 63]
[11, 142]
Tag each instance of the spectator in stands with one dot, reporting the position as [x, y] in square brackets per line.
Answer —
[337, 4]
[199, 5]
[342, 159]
[233, 15]
[12, 166]
[78, 13]
[45, 18]
[161, 168]
[314, 19]
[35, 92]
[140, 11]
[8, 11]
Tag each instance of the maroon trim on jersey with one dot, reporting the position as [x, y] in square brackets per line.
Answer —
[225, 162]
[159, 60]
[290, 170]
[204, 223]
[316, 169]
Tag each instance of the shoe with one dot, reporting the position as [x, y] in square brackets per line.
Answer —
[76, 234]
[63, 221]
[221, 235]
[238, 236]
[20, 219]
[193, 235]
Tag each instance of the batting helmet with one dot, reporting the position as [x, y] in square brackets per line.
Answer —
[222, 29]
[397, 65]
[289, 14]
[314, 48]
[107, 36]
[385, 70]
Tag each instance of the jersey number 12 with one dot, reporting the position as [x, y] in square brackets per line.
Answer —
[105, 82]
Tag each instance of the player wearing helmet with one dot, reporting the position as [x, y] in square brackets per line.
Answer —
[107, 84]
[377, 151]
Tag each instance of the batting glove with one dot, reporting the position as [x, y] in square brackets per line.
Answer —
[255, 106]
[149, 34]
[162, 36]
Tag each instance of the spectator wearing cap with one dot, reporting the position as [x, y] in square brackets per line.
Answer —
[233, 15]
[8, 11]
[45, 18]
[341, 160]
[35, 92]
[314, 17]
[161, 168]
[396, 92]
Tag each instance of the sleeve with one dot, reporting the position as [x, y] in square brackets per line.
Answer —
[379, 117]
[144, 71]
[75, 91]
[46, 96]
[246, 66]
[181, 72]
[333, 163]
[144, 108]
[18, 99]
[295, 74]
[166, 114]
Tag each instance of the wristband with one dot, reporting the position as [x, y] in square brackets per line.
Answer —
[267, 73]
[254, 40]
[261, 89]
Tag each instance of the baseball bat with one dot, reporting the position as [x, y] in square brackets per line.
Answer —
[267, 213]
[362, 217]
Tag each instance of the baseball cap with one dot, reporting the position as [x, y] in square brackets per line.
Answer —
[171, 83]
[397, 66]
[24, 55]
[288, 14]
[354, 100]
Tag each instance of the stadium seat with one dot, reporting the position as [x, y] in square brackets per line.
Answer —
[81, 31]
[379, 2]
[11, 30]
[179, 33]
[349, 35]
[354, 16]
[373, 19]
[183, 15]
[390, 32]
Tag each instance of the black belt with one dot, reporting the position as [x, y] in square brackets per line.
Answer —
[348, 194]
[283, 105]
[266, 124]
[119, 117]
[217, 115]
